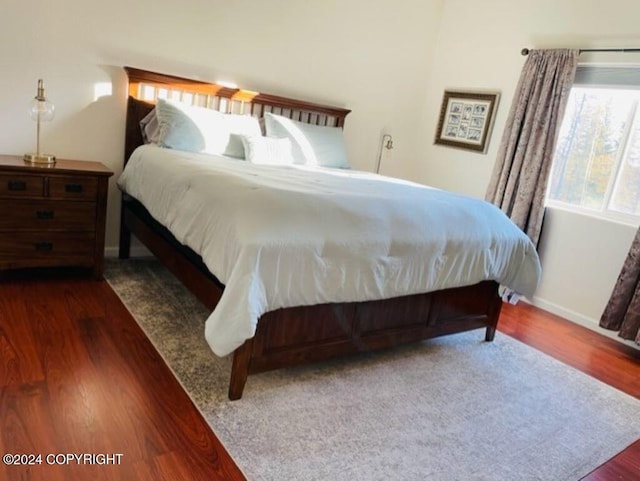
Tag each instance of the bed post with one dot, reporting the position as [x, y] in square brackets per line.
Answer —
[136, 110]
[124, 246]
[240, 369]
[494, 315]
[490, 334]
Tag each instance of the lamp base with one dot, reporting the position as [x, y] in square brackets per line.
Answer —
[40, 158]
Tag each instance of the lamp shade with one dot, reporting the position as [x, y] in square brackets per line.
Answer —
[42, 110]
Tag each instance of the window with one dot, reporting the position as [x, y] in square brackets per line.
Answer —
[596, 164]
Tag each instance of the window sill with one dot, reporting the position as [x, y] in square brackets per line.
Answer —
[613, 217]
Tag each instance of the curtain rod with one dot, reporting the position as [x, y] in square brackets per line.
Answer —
[525, 51]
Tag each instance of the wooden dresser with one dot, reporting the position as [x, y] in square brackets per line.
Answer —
[52, 216]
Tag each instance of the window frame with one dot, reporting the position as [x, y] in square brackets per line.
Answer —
[605, 213]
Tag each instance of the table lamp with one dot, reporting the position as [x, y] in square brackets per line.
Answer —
[41, 110]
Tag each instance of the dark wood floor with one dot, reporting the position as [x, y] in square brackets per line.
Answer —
[77, 375]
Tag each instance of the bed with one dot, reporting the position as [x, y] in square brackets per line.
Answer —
[347, 314]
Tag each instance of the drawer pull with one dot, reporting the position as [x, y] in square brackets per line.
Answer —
[73, 188]
[17, 185]
[44, 214]
[44, 246]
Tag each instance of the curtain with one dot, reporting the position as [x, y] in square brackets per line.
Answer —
[623, 309]
[521, 173]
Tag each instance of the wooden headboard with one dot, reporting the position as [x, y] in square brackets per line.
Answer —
[146, 87]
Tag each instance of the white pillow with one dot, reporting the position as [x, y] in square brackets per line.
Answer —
[199, 129]
[186, 127]
[267, 150]
[240, 125]
[310, 144]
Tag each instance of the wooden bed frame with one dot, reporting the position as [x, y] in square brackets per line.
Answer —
[294, 335]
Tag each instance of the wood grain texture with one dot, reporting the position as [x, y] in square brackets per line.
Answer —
[52, 216]
[77, 375]
[610, 361]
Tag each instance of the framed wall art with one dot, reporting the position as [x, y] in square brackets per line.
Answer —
[466, 119]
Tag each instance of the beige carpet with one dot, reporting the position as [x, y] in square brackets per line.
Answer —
[454, 408]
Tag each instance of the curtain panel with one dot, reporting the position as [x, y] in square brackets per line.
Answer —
[623, 309]
[521, 173]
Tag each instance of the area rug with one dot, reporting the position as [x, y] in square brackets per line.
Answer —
[453, 408]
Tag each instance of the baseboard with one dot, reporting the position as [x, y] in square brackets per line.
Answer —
[579, 319]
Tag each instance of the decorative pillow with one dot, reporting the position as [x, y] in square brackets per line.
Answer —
[267, 150]
[240, 125]
[199, 129]
[310, 144]
[150, 128]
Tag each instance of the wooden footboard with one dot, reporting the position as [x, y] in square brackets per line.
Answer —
[300, 335]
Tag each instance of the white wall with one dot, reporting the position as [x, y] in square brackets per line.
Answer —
[369, 56]
[479, 48]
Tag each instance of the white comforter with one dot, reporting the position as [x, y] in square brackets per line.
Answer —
[286, 236]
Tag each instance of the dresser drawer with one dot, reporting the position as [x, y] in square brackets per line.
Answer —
[19, 185]
[73, 187]
[30, 249]
[45, 214]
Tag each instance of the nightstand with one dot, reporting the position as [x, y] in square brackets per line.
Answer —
[52, 216]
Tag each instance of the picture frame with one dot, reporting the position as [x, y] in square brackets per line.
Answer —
[466, 119]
